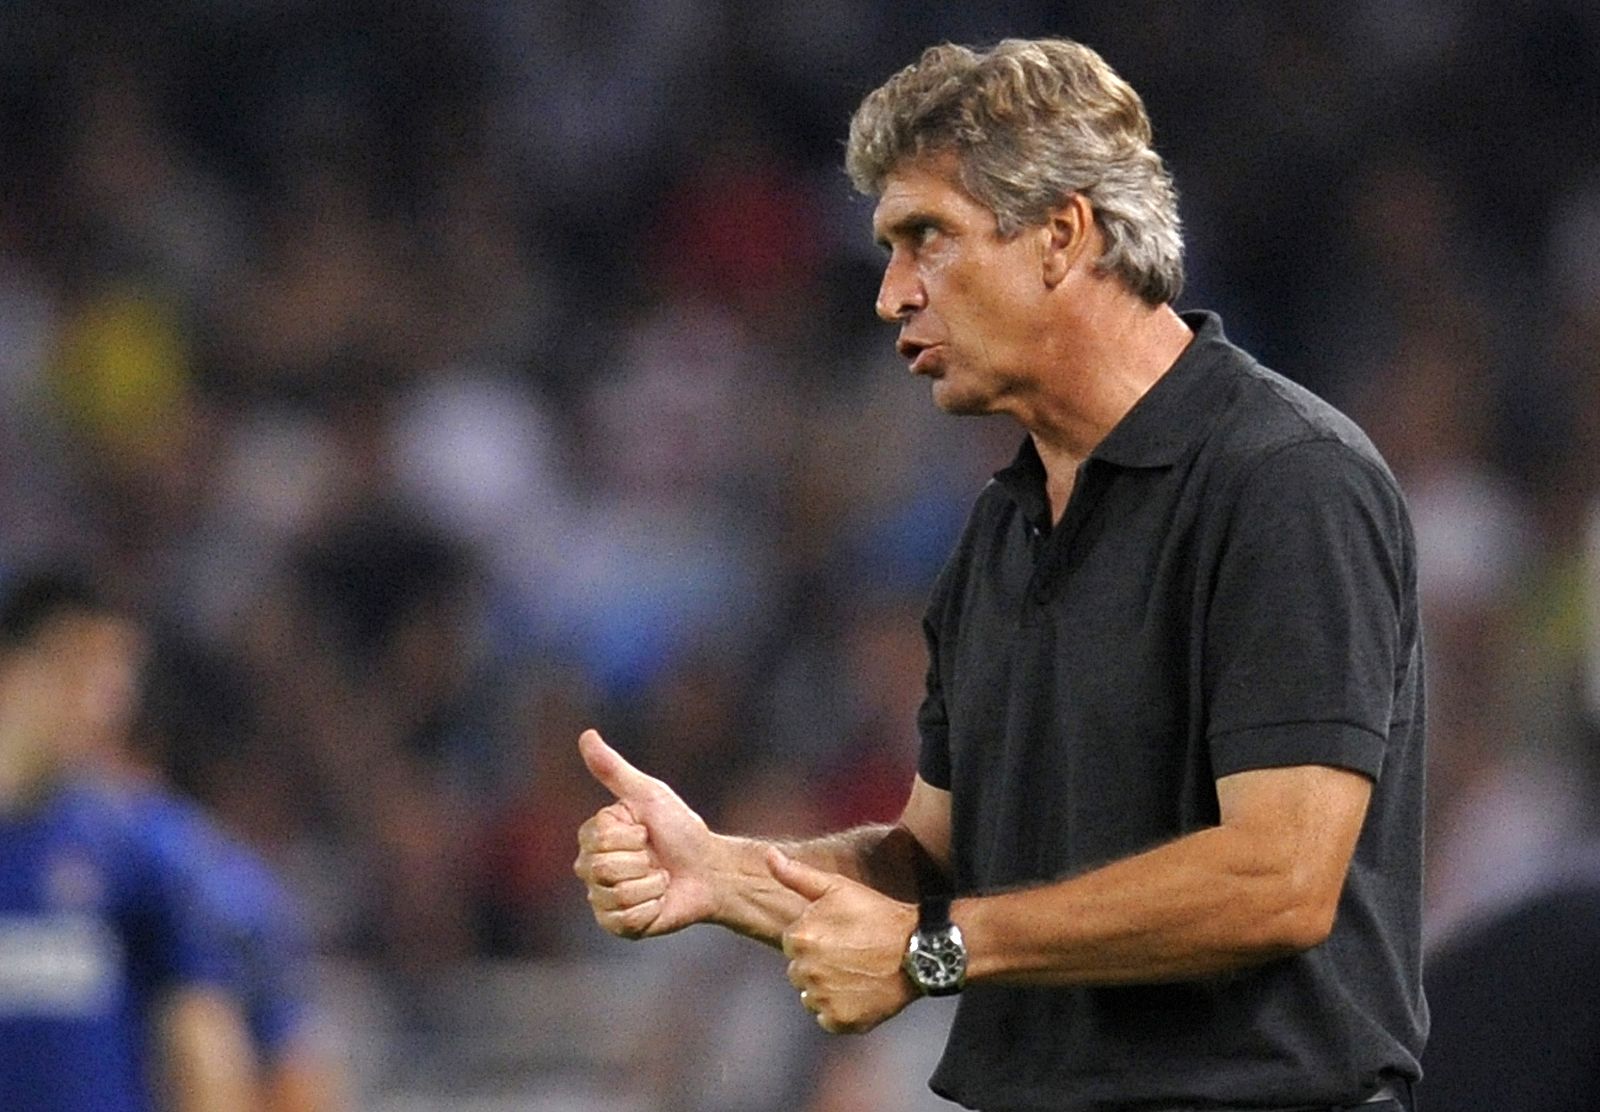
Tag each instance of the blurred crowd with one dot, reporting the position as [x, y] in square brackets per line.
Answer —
[442, 378]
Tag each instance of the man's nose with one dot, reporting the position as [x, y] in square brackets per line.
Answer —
[900, 293]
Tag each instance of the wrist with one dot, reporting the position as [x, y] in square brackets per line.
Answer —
[732, 861]
[743, 893]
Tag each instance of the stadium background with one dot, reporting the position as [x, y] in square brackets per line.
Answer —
[443, 378]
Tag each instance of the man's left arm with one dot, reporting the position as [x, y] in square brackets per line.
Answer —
[1263, 883]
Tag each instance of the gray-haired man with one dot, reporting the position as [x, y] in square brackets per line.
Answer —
[1171, 765]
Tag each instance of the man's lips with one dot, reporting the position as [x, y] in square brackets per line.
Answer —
[919, 354]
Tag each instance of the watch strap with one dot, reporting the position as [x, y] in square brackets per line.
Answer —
[933, 913]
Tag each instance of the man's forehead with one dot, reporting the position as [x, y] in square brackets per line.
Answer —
[917, 184]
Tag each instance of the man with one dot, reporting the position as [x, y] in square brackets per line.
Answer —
[112, 986]
[1171, 763]
[254, 919]
[178, 936]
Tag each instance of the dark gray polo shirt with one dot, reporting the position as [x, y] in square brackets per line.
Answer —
[1232, 586]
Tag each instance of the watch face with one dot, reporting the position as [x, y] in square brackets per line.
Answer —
[936, 961]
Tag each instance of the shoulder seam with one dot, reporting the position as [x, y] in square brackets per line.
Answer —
[1315, 437]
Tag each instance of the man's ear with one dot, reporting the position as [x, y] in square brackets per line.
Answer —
[1070, 235]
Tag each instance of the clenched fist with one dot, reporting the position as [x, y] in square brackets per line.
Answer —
[845, 948]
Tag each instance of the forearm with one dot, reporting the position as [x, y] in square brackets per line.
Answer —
[304, 1082]
[754, 904]
[1206, 904]
[208, 1065]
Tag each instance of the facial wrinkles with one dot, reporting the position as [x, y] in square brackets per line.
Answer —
[933, 269]
[938, 256]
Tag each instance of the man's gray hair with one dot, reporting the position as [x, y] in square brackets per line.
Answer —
[1031, 122]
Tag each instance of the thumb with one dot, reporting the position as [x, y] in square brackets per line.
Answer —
[799, 877]
[613, 771]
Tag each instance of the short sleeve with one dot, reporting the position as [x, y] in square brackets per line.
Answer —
[1308, 616]
[186, 943]
[275, 962]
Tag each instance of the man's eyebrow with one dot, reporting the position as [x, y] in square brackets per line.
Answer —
[902, 225]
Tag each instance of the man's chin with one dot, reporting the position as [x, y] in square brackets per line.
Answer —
[957, 402]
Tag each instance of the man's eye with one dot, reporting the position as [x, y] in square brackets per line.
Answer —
[924, 233]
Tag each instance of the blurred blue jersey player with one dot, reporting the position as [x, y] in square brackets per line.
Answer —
[118, 986]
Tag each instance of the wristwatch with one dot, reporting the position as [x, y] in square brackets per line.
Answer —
[936, 956]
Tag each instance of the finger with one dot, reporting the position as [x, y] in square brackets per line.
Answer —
[797, 978]
[609, 767]
[799, 877]
[612, 829]
[607, 869]
[630, 922]
[632, 893]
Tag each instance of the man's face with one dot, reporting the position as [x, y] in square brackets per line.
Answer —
[77, 681]
[967, 300]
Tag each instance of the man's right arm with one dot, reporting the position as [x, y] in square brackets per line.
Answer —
[652, 866]
[206, 1063]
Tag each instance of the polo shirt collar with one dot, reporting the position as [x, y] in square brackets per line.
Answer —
[1160, 428]
[1175, 411]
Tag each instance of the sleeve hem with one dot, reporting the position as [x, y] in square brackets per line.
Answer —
[1281, 745]
[933, 766]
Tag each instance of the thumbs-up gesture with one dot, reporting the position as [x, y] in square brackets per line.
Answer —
[845, 949]
[647, 859]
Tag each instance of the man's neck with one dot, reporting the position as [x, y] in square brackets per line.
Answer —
[23, 781]
[1106, 361]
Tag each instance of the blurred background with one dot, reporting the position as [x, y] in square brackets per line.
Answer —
[443, 378]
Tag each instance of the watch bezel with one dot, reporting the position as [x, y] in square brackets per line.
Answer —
[936, 960]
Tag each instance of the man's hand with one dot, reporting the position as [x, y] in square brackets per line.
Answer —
[845, 949]
[647, 859]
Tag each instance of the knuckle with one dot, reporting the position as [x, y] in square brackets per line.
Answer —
[848, 1020]
[634, 921]
[609, 870]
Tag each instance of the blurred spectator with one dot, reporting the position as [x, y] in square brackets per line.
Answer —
[1520, 998]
